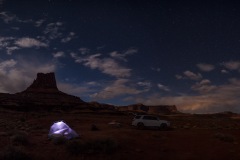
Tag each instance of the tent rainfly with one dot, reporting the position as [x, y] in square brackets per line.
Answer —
[62, 129]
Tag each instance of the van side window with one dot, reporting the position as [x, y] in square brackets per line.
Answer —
[137, 117]
[150, 118]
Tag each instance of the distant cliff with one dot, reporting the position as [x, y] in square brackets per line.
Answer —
[41, 94]
[158, 109]
[44, 83]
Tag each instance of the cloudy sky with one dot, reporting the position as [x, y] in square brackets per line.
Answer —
[121, 52]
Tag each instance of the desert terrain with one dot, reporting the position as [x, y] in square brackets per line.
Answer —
[24, 135]
[26, 118]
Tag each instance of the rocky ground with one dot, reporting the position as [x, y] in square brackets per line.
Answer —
[198, 137]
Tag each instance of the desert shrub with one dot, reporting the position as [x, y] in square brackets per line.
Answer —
[14, 153]
[22, 119]
[59, 140]
[107, 146]
[20, 138]
[104, 146]
[94, 128]
[225, 137]
[75, 147]
[37, 127]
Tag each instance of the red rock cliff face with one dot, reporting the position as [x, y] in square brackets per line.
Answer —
[43, 83]
[163, 109]
[44, 91]
[158, 109]
[41, 94]
[44, 94]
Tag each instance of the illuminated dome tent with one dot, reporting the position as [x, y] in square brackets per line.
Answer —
[62, 129]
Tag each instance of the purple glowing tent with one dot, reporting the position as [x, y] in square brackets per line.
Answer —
[62, 129]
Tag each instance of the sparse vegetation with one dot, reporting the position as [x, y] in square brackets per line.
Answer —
[94, 128]
[22, 119]
[14, 153]
[225, 137]
[122, 143]
[75, 147]
[37, 127]
[105, 146]
[59, 140]
[20, 138]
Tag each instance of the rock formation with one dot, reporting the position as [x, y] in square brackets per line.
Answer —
[44, 83]
[42, 93]
[158, 109]
[101, 106]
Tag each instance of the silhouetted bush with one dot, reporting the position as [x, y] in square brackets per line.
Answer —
[20, 138]
[14, 153]
[105, 146]
[94, 128]
[225, 137]
[75, 147]
[22, 119]
[59, 140]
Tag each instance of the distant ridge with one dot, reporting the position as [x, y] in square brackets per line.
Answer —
[43, 83]
[157, 109]
[43, 94]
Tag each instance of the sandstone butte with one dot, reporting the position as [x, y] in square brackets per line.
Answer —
[43, 94]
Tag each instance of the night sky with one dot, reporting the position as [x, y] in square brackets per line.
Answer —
[183, 53]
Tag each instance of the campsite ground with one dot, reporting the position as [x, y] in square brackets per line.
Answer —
[208, 137]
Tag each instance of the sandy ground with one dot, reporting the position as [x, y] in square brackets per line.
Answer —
[191, 137]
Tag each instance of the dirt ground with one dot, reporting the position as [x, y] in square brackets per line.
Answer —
[192, 137]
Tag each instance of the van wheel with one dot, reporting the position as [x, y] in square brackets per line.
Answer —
[163, 126]
[140, 125]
